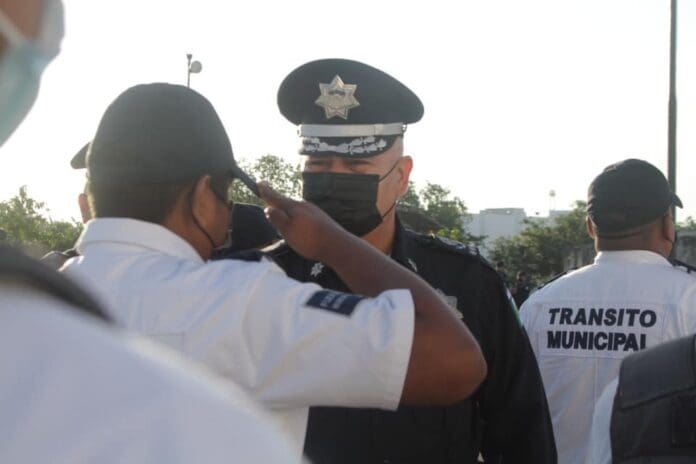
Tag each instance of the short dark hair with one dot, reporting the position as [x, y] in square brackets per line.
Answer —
[146, 202]
[643, 229]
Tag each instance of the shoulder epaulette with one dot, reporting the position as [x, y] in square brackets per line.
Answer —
[444, 243]
[554, 278]
[689, 268]
[247, 255]
[279, 248]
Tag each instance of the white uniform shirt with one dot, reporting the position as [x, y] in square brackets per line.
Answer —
[249, 322]
[599, 451]
[584, 323]
[73, 391]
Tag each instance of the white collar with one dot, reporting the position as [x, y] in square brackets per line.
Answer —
[631, 256]
[136, 233]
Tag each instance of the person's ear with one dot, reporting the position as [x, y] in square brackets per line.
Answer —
[83, 203]
[590, 228]
[404, 171]
[201, 197]
[668, 228]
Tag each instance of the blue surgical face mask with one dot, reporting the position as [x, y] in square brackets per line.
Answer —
[22, 62]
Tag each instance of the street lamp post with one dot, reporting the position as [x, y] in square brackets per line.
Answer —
[192, 67]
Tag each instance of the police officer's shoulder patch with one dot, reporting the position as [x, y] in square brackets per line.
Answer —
[337, 302]
[446, 244]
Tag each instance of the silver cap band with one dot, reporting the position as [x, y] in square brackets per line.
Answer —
[353, 130]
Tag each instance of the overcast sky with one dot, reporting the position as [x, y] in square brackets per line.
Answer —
[521, 97]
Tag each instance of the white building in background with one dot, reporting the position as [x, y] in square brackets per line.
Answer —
[502, 222]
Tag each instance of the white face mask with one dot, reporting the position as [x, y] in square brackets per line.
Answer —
[22, 63]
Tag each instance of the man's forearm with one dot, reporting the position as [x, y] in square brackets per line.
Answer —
[443, 347]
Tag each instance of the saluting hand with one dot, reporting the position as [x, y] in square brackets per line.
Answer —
[306, 228]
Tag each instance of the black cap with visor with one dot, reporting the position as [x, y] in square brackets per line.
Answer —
[627, 195]
[160, 133]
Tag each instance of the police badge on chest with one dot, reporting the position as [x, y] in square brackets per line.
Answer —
[451, 303]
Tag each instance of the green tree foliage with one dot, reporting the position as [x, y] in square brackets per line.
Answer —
[283, 176]
[542, 247]
[410, 200]
[689, 225]
[27, 224]
[441, 206]
[434, 210]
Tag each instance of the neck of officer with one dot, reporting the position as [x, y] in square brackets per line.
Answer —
[181, 223]
[647, 238]
[628, 245]
[382, 237]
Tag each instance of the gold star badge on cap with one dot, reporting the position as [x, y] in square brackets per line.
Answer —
[337, 98]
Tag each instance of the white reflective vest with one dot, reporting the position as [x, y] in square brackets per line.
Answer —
[583, 324]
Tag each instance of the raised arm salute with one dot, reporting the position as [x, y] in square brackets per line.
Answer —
[431, 378]
[159, 168]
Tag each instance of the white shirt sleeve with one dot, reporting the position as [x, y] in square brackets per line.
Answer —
[293, 344]
[599, 451]
[318, 354]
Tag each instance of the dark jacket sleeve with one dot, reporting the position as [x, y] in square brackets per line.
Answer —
[517, 424]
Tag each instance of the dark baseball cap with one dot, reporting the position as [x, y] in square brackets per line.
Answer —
[629, 194]
[161, 133]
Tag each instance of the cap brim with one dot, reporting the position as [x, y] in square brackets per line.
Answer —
[246, 180]
[676, 201]
[79, 161]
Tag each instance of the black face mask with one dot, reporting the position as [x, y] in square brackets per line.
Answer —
[228, 238]
[350, 199]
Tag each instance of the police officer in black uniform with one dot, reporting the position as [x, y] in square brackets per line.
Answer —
[250, 229]
[351, 120]
[654, 414]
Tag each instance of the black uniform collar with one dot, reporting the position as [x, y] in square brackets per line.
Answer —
[400, 253]
[400, 249]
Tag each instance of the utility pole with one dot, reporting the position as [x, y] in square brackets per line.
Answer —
[672, 108]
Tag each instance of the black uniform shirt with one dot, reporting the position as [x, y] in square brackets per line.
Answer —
[507, 420]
